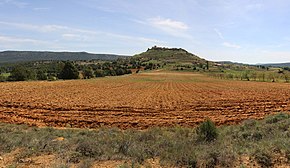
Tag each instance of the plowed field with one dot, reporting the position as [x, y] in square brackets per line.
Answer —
[140, 101]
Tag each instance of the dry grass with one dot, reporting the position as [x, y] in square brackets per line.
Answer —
[265, 143]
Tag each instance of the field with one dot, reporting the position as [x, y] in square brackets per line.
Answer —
[140, 101]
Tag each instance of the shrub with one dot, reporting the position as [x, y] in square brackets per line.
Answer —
[21, 73]
[2, 78]
[276, 118]
[99, 73]
[212, 159]
[264, 159]
[89, 149]
[207, 131]
[287, 154]
[41, 75]
[69, 71]
[88, 73]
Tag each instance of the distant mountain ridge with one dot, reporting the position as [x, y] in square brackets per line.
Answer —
[286, 64]
[21, 56]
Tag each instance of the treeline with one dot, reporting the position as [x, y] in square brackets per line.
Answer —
[54, 70]
[280, 75]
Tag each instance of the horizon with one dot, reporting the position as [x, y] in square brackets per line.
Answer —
[251, 32]
[139, 53]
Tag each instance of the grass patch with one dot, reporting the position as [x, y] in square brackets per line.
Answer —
[175, 146]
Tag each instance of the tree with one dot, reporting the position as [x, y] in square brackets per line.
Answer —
[128, 71]
[41, 75]
[120, 71]
[245, 75]
[207, 65]
[2, 70]
[99, 73]
[21, 73]
[286, 77]
[88, 73]
[207, 131]
[272, 77]
[253, 75]
[110, 72]
[69, 71]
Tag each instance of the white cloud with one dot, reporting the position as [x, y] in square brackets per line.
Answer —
[231, 45]
[172, 27]
[16, 3]
[68, 36]
[219, 33]
[9, 39]
[78, 37]
[64, 38]
[172, 24]
[70, 33]
[41, 9]
[46, 28]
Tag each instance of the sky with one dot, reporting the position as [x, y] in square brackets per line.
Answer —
[246, 31]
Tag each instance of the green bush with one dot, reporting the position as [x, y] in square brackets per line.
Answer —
[21, 73]
[69, 71]
[264, 159]
[207, 131]
[99, 73]
[88, 73]
[276, 118]
[89, 149]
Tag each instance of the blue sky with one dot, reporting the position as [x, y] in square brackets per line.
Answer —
[247, 31]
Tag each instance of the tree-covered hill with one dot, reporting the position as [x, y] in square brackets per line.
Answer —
[25, 56]
[277, 64]
[170, 55]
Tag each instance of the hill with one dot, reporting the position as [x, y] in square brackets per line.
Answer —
[277, 64]
[170, 55]
[21, 56]
[231, 63]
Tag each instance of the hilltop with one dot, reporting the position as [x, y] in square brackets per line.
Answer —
[170, 55]
[26, 56]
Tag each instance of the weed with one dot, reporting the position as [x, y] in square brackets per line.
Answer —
[207, 131]
[263, 158]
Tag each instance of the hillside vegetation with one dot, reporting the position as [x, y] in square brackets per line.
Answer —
[25, 56]
[170, 55]
[251, 144]
[89, 65]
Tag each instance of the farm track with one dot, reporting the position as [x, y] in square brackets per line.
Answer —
[140, 101]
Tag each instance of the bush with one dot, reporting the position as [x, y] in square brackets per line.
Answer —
[69, 71]
[21, 73]
[207, 131]
[2, 78]
[264, 159]
[276, 118]
[212, 159]
[41, 75]
[89, 149]
[88, 73]
[99, 73]
[287, 154]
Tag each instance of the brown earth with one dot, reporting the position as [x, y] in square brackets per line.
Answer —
[8, 160]
[140, 101]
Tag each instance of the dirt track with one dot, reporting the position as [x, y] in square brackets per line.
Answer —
[140, 101]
